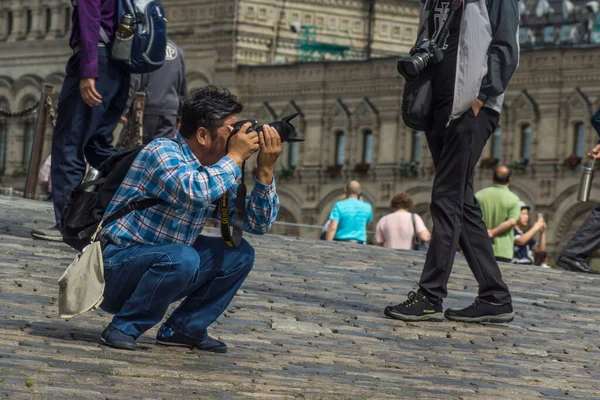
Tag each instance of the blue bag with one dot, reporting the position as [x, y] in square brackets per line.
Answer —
[145, 50]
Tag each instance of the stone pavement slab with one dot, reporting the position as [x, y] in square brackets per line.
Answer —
[307, 324]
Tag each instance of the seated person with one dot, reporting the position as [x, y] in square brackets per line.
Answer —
[155, 257]
[525, 244]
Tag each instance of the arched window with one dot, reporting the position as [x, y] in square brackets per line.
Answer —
[293, 154]
[340, 148]
[367, 156]
[417, 145]
[67, 20]
[579, 142]
[526, 137]
[28, 21]
[497, 143]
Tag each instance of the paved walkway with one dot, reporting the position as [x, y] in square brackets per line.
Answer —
[307, 324]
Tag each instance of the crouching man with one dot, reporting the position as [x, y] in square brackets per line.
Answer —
[155, 257]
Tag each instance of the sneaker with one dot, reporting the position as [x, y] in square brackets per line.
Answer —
[482, 311]
[115, 338]
[416, 308]
[51, 234]
[168, 337]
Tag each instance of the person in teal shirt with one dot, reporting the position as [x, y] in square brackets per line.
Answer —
[349, 218]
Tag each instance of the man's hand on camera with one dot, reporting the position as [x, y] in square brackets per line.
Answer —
[595, 153]
[270, 149]
[476, 107]
[243, 145]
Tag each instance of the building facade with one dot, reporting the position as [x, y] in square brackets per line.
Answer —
[334, 62]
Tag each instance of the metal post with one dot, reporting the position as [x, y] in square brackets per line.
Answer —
[137, 127]
[38, 143]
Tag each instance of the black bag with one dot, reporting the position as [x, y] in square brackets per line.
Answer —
[417, 102]
[417, 243]
[85, 208]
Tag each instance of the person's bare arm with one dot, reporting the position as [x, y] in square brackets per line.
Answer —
[502, 228]
[526, 237]
[332, 230]
[425, 236]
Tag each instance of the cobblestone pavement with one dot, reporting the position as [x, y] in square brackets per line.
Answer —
[307, 324]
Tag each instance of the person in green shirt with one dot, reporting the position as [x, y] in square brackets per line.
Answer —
[501, 209]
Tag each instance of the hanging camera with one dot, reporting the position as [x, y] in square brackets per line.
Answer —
[428, 51]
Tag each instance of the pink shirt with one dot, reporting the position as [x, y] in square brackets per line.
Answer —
[396, 230]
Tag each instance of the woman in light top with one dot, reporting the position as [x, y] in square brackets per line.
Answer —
[396, 230]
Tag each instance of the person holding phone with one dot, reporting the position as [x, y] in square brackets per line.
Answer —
[525, 244]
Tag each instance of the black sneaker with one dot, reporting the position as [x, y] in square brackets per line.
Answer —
[482, 311]
[416, 308]
[575, 265]
[115, 338]
[168, 337]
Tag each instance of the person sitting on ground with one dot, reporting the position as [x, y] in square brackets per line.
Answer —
[525, 244]
[154, 257]
[396, 230]
[540, 258]
[349, 217]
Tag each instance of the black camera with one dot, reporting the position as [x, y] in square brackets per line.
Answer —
[287, 131]
[428, 51]
[422, 55]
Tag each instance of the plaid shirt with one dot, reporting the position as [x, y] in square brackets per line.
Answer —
[169, 170]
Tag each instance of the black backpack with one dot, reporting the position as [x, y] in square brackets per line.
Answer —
[85, 208]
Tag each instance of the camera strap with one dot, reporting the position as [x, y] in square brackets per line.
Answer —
[442, 33]
[232, 240]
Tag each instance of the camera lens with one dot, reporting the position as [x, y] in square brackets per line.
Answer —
[411, 67]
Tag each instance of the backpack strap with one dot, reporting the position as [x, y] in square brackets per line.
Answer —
[103, 36]
[134, 205]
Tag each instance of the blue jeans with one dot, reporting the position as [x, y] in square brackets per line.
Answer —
[143, 280]
[83, 132]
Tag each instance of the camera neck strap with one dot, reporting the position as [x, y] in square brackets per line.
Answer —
[235, 238]
[441, 33]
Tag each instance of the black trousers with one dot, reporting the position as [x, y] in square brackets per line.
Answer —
[586, 239]
[457, 218]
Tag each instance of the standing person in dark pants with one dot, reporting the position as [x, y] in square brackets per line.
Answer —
[165, 90]
[587, 238]
[92, 99]
[480, 55]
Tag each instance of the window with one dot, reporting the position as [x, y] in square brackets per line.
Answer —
[417, 144]
[497, 143]
[549, 34]
[28, 131]
[9, 23]
[340, 148]
[293, 154]
[3, 146]
[526, 136]
[367, 157]
[48, 20]
[29, 21]
[566, 33]
[579, 142]
[67, 20]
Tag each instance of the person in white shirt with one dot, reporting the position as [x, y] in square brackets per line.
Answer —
[396, 230]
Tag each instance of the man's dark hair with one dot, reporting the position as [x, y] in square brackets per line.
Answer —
[502, 175]
[402, 201]
[208, 107]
